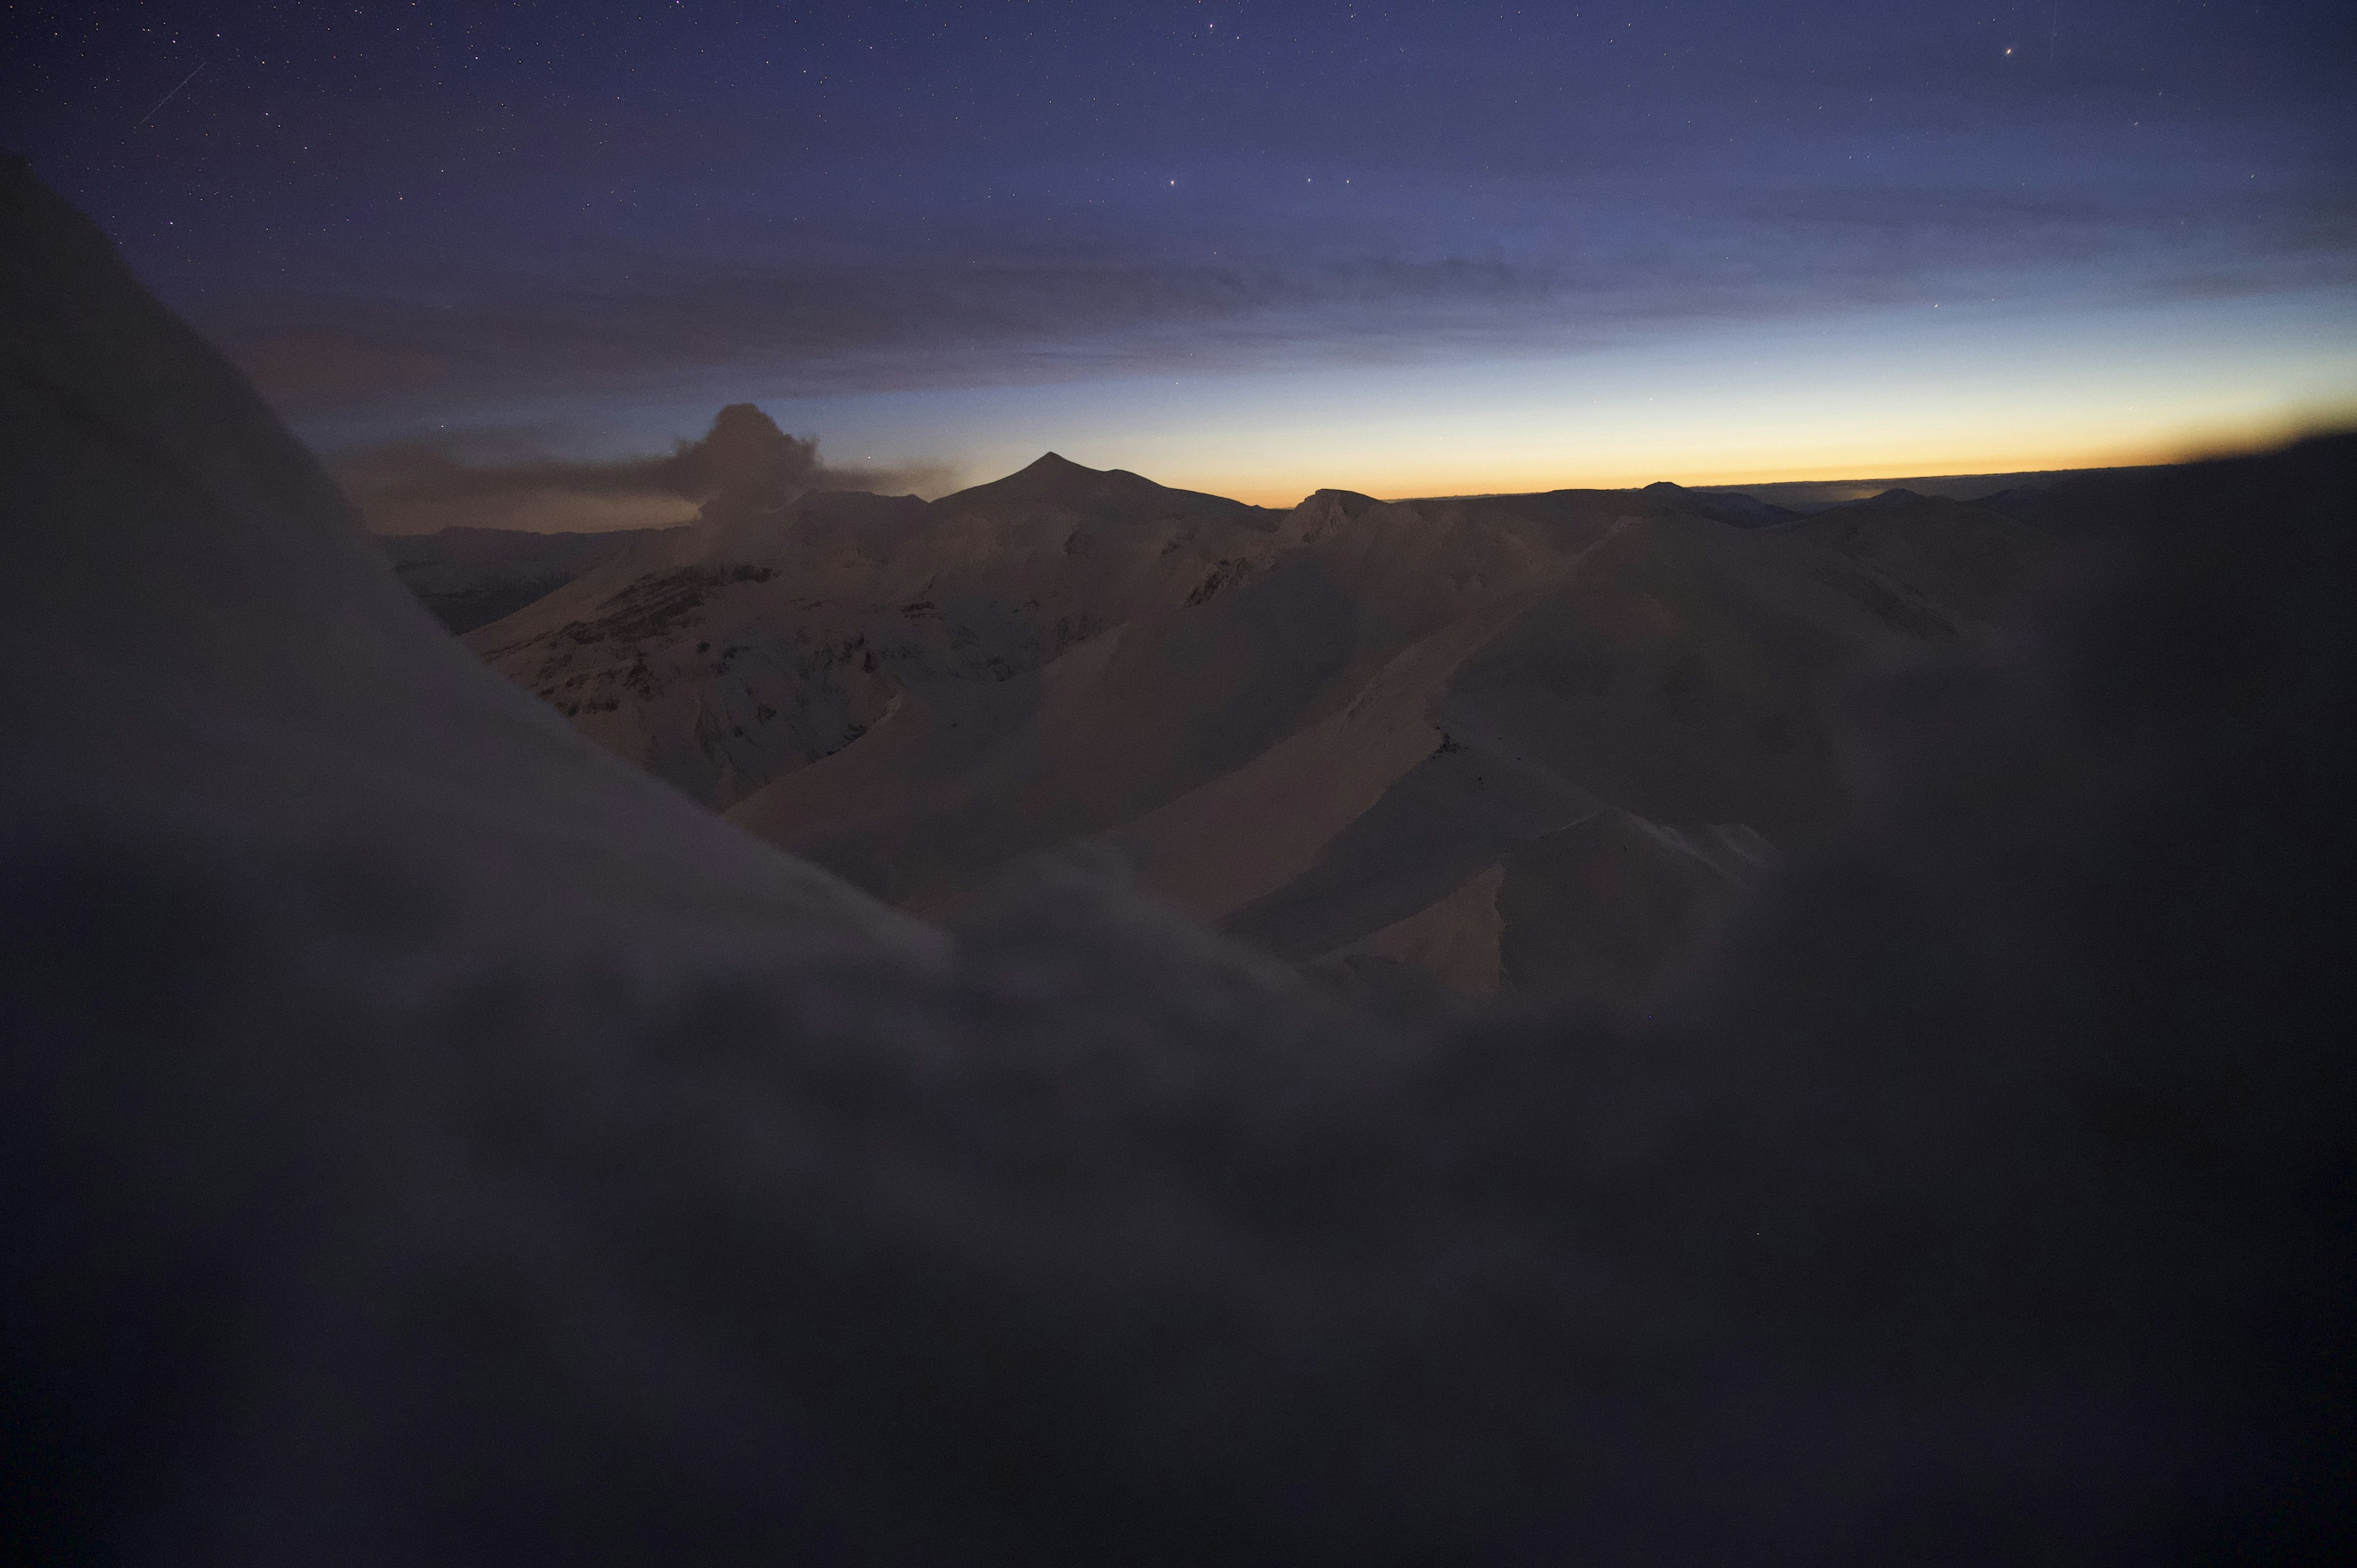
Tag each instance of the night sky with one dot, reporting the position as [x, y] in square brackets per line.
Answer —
[1252, 248]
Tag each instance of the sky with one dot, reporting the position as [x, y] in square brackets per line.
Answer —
[1248, 247]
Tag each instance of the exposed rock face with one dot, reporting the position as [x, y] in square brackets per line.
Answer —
[426, 1139]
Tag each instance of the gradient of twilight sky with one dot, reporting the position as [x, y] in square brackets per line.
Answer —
[1250, 248]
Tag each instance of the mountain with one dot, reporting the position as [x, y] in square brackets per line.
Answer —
[1733, 508]
[472, 577]
[266, 673]
[1309, 726]
[1804, 496]
[1973, 558]
[775, 633]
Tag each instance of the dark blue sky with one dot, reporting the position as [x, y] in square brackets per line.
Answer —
[1253, 246]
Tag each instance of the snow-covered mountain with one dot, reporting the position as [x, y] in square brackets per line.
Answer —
[1467, 737]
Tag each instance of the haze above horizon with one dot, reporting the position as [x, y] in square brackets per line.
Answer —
[1247, 248]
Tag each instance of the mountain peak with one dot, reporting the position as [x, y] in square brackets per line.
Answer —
[1052, 471]
[1733, 508]
[1054, 481]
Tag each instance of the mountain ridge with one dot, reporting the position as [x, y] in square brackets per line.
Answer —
[1067, 654]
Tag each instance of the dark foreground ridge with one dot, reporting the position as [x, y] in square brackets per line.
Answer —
[427, 1140]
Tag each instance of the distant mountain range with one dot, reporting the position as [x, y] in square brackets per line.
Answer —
[1984, 489]
[472, 576]
[1504, 743]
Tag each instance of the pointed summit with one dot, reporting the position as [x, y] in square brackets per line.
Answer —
[1053, 477]
[1732, 507]
[1106, 494]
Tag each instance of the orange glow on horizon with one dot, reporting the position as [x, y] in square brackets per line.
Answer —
[1831, 462]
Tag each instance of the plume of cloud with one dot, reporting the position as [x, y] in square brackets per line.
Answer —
[417, 486]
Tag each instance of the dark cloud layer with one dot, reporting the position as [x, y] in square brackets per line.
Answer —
[816, 329]
[800, 331]
[411, 214]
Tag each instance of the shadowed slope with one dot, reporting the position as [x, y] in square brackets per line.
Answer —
[1967, 558]
[182, 555]
[1337, 727]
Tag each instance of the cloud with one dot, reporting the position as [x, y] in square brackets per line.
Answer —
[814, 330]
[420, 485]
[1569, 266]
